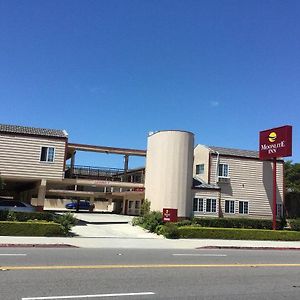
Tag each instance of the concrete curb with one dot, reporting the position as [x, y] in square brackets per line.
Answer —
[37, 246]
[249, 248]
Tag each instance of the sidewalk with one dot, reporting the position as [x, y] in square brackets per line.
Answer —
[149, 242]
[115, 232]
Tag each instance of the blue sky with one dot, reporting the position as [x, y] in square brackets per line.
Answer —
[111, 71]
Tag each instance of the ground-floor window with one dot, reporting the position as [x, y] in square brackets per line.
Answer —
[198, 204]
[229, 207]
[205, 205]
[243, 207]
[211, 205]
[279, 210]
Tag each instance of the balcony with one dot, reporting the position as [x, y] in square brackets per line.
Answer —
[103, 173]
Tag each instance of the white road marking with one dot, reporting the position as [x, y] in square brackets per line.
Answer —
[13, 254]
[90, 296]
[205, 255]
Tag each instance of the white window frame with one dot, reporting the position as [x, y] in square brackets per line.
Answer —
[219, 168]
[243, 212]
[231, 205]
[211, 205]
[279, 210]
[47, 154]
[200, 169]
[198, 199]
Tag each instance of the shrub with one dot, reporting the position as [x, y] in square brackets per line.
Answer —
[26, 216]
[145, 207]
[3, 215]
[238, 223]
[295, 224]
[149, 221]
[37, 228]
[237, 234]
[11, 216]
[66, 221]
[152, 220]
[170, 231]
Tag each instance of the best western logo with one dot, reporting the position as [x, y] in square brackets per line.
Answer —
[272, 148]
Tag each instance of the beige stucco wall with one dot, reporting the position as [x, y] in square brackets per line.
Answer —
[201, 156]
[20, 157]
[169, 170]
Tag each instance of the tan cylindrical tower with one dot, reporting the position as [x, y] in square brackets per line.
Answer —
[169, 171]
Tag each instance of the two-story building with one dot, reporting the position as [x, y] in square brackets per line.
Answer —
[38, 166]
[234, 183]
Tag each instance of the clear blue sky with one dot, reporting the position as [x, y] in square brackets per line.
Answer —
[111, 71]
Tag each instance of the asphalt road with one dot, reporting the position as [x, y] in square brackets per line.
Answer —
[72, 273]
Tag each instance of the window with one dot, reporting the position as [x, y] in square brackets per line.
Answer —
[229, 206]
[211, 205]
[200, 169]
[198, 204]
[223, 170]
[243, 207]
[47, 154]
[279, 210]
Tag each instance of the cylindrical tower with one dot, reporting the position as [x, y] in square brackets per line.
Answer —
[169, 171]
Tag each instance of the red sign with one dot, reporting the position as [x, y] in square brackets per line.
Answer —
[169, 215]
[275, 142]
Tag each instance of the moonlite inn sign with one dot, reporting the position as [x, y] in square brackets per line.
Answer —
[275, 143]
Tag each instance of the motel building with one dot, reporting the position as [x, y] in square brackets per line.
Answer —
[38, 166]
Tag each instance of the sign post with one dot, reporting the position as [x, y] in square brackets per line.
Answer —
[274, 143]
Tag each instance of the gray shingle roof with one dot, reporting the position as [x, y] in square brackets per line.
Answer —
[33, 131]
[198, 183]
[234, 152]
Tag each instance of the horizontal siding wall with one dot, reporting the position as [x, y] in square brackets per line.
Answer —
[207, 194]
[250, 180]
[20, 156]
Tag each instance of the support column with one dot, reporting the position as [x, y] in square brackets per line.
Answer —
[126, 159]
[41, 195]
[72, 163]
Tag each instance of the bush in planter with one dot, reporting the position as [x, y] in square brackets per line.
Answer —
[170, 231]
[66, 221]
[295, 224]
[238, 223]
[152, 220]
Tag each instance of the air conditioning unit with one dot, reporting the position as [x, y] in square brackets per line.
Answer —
[224, 180]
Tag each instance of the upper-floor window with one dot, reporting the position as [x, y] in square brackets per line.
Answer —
[200, 169]
[223, 170]
[47, 154]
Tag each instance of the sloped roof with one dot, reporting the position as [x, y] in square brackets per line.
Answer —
[33, 131]
[234, 152]
[198, 183]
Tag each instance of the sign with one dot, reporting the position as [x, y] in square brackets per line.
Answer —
[169, 215]
[275, 142]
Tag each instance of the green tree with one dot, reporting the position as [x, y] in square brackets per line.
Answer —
[292, 176]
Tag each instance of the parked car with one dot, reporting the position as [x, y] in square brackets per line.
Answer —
[14, 205]
[83, 204]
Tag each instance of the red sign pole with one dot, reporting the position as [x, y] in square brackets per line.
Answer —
[274, 192]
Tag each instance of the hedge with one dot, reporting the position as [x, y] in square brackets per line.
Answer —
[25, 216]
[237, 223]
[30, 228]
[237, 234]
[295, 224]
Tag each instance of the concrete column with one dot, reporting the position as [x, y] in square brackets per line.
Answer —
[41, 195]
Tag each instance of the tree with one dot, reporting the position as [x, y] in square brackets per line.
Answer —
[292, 176]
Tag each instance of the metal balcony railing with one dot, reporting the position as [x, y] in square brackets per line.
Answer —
[103, 173]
